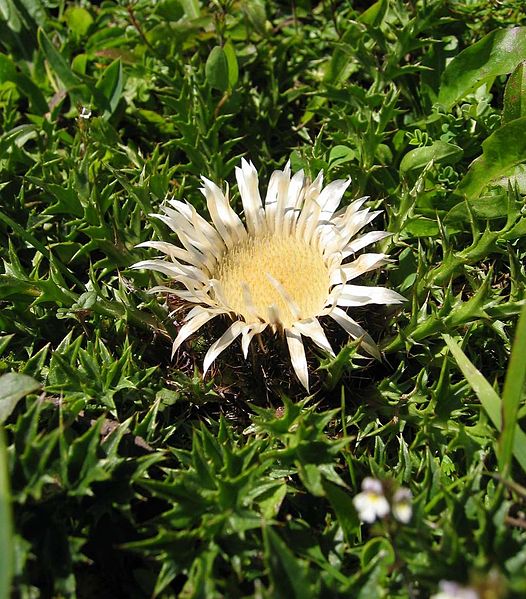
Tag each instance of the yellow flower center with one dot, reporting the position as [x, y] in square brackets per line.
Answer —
[273, 278]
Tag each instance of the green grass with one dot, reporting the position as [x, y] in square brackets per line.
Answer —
[122, 472]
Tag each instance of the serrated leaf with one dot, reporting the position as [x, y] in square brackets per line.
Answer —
[288, 573]
[374, 15]
[13, 387]
[497, 53]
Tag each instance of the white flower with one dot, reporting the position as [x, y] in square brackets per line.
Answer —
[289, 264]
[371, 502]
[85, 113]
[401, 505]
[452, 590]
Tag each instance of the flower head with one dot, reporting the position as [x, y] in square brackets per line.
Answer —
[402, 505]
[371, 503]
[453, 590]
[287, 265]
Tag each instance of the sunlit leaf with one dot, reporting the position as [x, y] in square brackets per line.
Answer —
[501, 151]
[497, 53]
[13, 387]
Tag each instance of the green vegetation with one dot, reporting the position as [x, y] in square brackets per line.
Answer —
[122, 472]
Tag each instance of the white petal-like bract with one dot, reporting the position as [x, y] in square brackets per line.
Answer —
[289, 263]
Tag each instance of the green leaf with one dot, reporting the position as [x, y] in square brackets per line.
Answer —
[421, 227]
[233, 69]
[4, 342]
[79, 20]
[488, 397]
[10, 14]
[270, 502]
[256, 14]
[216, 69]
[191, 8]
[497, 53]
[512, 394]
[486, 207]
[57, 62]
[374, 15]
[340, 154]
[440, 151]
[6, 526]
[502, 150]
[9, 72]
[110, 85]
[343, 507]
[515, 95]
[288, 574]
[13, 387]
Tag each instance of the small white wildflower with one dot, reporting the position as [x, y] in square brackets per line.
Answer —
[371, 502]
[401, 505]
[85, 113]
[452, 590]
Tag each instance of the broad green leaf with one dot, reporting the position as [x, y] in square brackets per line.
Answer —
[421, 227]
[13, 387]
[256, 14]
[216, 69]
[9, 72]
[501, 151]
[57, 62]
[512, 394]
[79, 20]
[515, 95]
[440, 151]
[233, 69]
[111, 85]
[486, 207]
[340, 154]
[36, 10]
[6, 526]
[191, 8]
[10, 14]
[488, 397]
[170, 10]
[497, 53]
[515, 176]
